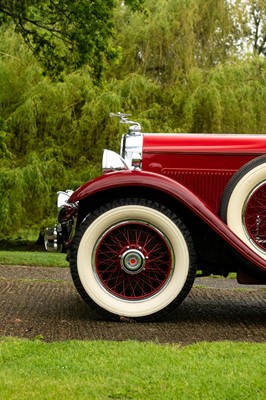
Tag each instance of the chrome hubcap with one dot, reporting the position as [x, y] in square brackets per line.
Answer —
[132, 261]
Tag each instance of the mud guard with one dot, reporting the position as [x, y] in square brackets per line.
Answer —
[180, 193]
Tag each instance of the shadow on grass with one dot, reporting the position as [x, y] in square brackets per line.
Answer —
[21, 245]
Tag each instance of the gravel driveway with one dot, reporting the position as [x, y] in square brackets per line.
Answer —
[42, 302]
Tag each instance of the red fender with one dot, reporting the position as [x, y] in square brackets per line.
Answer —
[176, 190]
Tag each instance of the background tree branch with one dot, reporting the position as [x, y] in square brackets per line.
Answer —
[66, 34]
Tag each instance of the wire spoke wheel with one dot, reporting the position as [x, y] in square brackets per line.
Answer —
[133, 258]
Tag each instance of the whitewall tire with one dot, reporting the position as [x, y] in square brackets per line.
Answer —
[133, 258]
[243, 205]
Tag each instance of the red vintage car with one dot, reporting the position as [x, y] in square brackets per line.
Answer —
[168, 208]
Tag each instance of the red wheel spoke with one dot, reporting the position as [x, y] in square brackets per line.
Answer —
[133, 243]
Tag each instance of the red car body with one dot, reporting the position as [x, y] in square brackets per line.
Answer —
[201, 162]
[198, 177]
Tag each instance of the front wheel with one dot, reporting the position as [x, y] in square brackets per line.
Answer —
[133, 258]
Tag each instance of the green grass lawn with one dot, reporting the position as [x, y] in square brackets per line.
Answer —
[42, 258]
[131, 370]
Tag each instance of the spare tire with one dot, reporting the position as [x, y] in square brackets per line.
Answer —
[243, 205]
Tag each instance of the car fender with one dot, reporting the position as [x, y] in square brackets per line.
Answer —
[177, 191]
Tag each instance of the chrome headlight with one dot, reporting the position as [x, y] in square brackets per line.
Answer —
[112, 161]
[62, 197]
[65, 210]
[131, 149]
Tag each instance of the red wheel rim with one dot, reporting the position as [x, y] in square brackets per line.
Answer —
[133, 260]
[255, 216]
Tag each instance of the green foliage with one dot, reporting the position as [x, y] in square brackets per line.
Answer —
[3, 148]
[229, 98]
[25, 192]
[250, 22]
[174, 37]
[66, 34]
[135, 5]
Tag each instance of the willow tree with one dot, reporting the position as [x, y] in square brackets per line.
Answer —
[230, 98]
[175, 36]
[25, 194]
